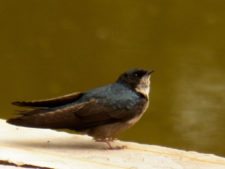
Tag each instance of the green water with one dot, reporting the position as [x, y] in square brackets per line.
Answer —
[50, 48]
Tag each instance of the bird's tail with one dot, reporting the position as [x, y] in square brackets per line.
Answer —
[47, 113]
[45, 118]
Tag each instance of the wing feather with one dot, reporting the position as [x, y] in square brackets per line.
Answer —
[54, 102]
[78, 116]
[96, 114]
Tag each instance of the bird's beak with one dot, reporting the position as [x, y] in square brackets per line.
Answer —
[150, 72]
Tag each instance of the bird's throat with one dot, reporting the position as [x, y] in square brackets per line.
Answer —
[144, 87]
[143, 90]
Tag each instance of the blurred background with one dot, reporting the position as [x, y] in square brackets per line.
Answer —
[54, 47]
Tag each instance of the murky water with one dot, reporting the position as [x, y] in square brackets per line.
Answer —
[50, 48]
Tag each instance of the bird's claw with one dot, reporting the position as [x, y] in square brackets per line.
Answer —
[110, 147]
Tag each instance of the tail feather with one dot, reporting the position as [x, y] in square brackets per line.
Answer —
[32, 112]
[19, 121]
[29, 121]
[39, 118]
[54, 102]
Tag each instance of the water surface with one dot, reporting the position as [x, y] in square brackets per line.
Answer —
[50, 48]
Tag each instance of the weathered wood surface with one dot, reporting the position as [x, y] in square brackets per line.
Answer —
[26, 147]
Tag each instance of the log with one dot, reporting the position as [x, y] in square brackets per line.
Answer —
[22, 147]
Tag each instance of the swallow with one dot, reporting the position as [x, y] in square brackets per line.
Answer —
[102, 113]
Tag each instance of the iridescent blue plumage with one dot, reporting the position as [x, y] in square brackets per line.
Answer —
[116, 95]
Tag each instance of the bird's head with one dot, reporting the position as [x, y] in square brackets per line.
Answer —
[137, 79]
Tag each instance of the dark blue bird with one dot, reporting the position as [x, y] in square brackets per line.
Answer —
[102, 113]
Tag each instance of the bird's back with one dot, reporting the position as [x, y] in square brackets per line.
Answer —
[115, 95]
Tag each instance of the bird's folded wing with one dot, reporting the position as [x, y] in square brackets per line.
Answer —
[54, 118]
[80, 116]
[95, 114]
[54, 102]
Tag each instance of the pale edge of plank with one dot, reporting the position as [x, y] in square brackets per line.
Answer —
[54, 149]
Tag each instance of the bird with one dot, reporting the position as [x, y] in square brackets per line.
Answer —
[102, 112]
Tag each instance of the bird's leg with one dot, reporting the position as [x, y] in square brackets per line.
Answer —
[107, 141]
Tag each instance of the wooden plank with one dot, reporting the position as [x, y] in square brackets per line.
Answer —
[53, 149]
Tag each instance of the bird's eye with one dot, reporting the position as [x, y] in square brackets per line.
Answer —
[136, 74]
